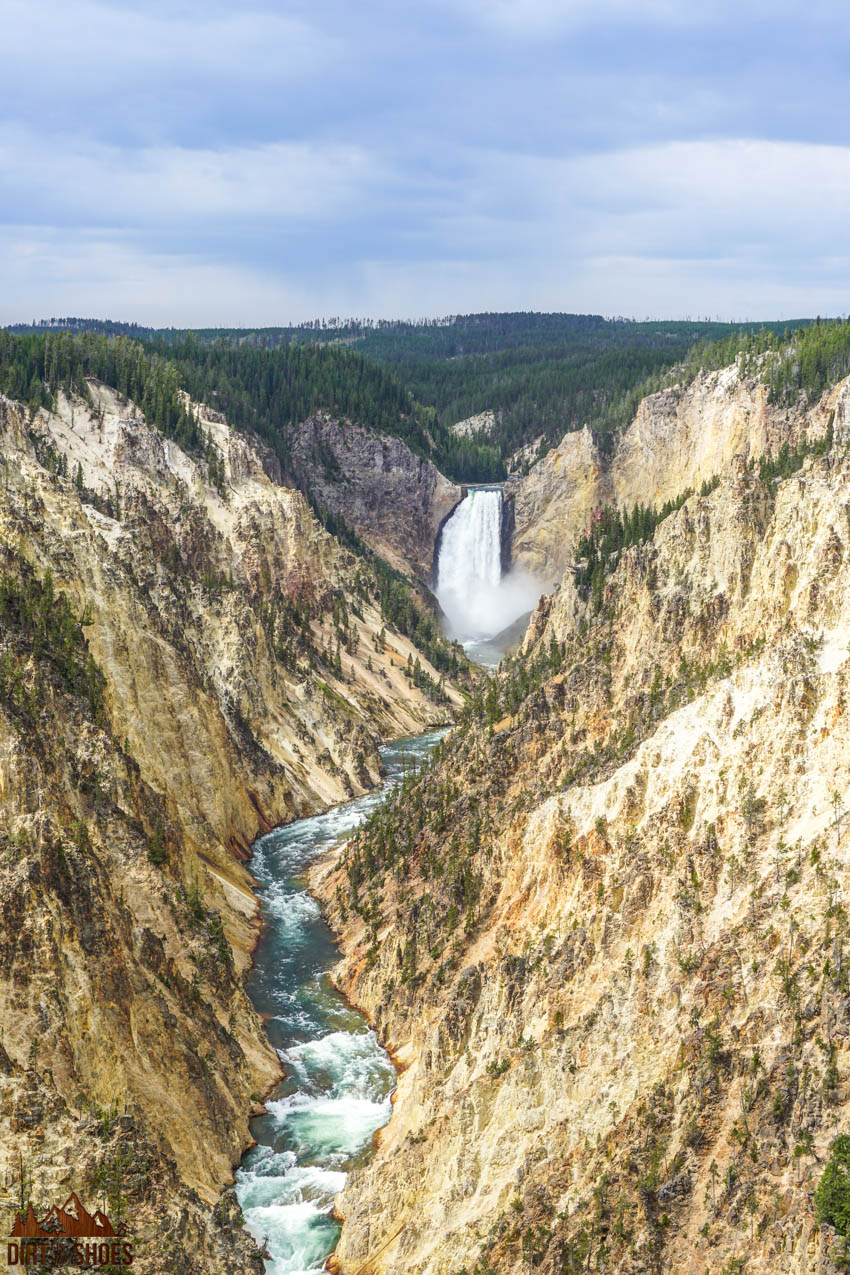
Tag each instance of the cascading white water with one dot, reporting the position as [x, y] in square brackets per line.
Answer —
[470, 564]
[321, 1119]
[477, 599]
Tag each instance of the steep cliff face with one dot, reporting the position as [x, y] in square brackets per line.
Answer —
[679, 438]
[129, 1055]
[229, 674]
[396, 501]
[605, 933]
[554, 502]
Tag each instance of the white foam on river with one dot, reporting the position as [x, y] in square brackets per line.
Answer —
[336, 1093]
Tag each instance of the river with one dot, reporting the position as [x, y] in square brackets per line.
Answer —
[338, 1080]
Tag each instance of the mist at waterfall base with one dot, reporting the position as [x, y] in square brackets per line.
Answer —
[477, 599]
[321, 1118]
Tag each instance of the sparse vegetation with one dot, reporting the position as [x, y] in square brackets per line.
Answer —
[39, 625]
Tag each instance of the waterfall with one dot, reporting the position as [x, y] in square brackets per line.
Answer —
[470, 551]
[477, 599]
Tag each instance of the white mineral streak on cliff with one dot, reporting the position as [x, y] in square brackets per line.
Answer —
[480, 423]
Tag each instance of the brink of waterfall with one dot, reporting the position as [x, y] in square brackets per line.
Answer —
[478, 600]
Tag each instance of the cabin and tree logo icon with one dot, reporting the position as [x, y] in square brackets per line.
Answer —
[67, 1236]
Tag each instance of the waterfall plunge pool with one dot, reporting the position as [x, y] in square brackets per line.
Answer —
[335, 1094]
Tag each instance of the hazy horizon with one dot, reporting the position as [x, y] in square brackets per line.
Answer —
[443, 319]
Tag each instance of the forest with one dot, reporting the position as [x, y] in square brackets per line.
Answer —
[797, 365]
[34, 368]
[541, 375]
[545, 375]
[264, 391]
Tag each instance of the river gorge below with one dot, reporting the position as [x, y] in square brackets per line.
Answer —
[321, 1119]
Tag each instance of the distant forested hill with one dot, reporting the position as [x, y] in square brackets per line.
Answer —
[541, 374]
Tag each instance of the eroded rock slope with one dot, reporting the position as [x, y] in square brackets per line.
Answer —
[186, 659]
[396, 501]
[605, 932]
[680, 438]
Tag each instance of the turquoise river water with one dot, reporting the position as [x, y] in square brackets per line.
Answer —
[336, 1090]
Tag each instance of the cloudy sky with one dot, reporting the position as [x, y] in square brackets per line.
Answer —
[173, 161]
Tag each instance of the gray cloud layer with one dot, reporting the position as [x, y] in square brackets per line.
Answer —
[188, 163]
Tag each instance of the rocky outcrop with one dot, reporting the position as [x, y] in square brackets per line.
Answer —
[131, 1056]
[679, 438]
[396, 501]
[480, 423]
[605, 933]
[554, 503]
[230, 670]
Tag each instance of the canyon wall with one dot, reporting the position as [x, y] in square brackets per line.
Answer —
[680, 437]
[186, 659]
[605, 933]
[396, 501]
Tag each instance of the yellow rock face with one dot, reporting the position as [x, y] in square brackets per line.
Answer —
[633, 1050]
[128, 1041]
[679, 438]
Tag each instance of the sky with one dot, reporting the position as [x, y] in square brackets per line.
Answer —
[196, 164]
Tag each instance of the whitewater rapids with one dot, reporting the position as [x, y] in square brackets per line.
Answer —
[320, 1120]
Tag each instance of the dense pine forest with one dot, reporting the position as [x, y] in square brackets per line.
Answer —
[540, 374]
[265, 391]
[34, 368]
[796, 365]
[544, 375]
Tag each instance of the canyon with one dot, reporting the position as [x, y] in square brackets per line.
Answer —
[189, 659]
[602, 932]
